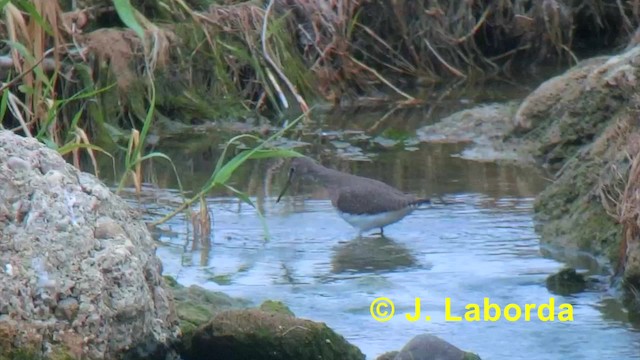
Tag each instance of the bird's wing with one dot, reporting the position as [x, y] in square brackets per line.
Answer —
[367, 200]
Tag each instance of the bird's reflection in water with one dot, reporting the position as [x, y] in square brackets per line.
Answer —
[366, 254]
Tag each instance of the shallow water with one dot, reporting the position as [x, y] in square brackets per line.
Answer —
[481, 245]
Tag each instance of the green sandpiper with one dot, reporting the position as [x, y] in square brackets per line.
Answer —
[362, 202]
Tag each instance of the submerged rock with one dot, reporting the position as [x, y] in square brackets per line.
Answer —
[371, 254]
[78, 272]
[566, 282]
[430, 347]
[256, 334]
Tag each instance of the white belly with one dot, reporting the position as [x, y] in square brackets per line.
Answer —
[368, 222]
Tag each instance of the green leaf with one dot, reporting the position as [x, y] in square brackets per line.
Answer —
[127, 14]
[230, 167]
[280, 153]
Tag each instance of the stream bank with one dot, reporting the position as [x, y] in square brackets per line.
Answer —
[582, 127]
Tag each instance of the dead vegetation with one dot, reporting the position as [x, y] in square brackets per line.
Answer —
[619, 191]
[229, 57]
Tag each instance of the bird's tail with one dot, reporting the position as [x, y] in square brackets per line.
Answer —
[419, 202]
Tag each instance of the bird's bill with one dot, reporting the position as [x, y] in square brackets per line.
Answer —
[286, 186]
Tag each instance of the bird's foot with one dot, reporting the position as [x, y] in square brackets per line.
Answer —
[381, 232]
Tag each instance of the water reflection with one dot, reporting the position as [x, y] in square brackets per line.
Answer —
[370, 254]
[430, 169]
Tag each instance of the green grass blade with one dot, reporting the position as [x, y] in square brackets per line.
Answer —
[230, 167]
[4, 103]
[220, 162]
[29, 7]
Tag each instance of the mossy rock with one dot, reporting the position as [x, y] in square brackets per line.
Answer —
[276, 307]
[259, 335]
[196, 306]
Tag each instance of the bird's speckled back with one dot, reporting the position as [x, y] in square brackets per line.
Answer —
[356, 193]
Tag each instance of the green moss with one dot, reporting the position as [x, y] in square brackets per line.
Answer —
[57, 353]
[192, 313]
[171, 282]
[224, 279]
[276, 307]
[21, 354]
[571, 216]
[256, 334]
[470, 356]
[196, 306]
[569, 211]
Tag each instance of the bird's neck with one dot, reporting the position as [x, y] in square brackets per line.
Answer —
[329, 177]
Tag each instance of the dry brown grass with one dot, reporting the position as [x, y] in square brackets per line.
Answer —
[201, 222]
[115, 48]
[619, 187]
[350, 47]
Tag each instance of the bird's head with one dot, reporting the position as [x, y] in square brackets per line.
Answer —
[299, 167]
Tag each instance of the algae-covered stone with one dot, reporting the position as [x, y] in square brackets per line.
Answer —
[566, 281]
[256, 334]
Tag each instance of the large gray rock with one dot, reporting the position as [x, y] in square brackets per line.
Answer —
[430, 347]
[78, 271]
